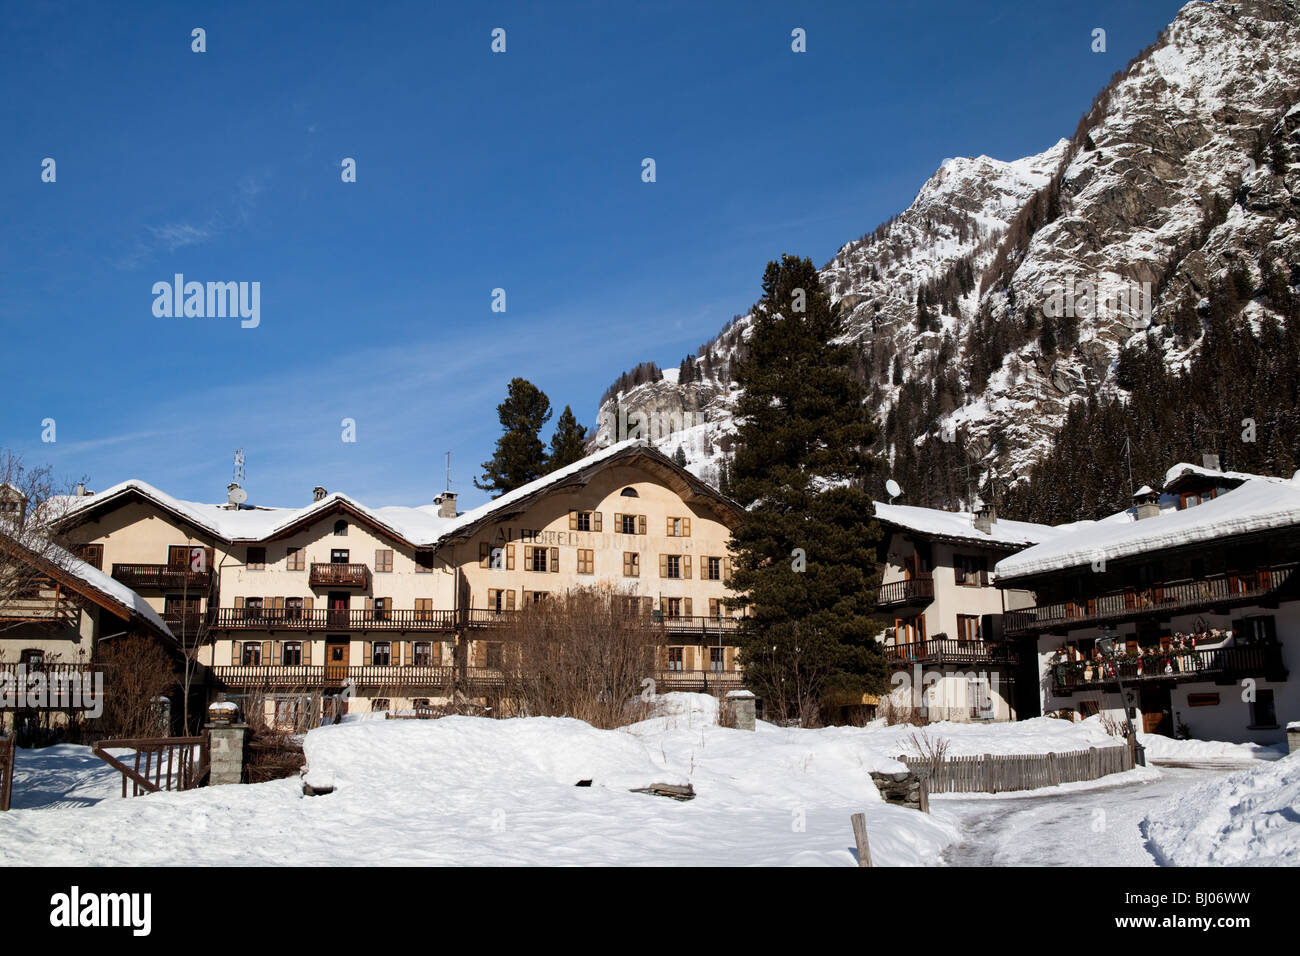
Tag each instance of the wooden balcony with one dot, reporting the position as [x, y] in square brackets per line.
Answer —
[316, 676]
[339, 576]
[917, 590]
[949, 651]
[190, 624]
[50, 686]
[326, 619]
[700, 681]
[162, 576]
[1224, 665]
[693, 629]
[1159, 600]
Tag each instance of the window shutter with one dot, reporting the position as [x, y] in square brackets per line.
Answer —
[726, 568]
[306, 652]
[408, 652]
[595, 521]
[276, 652]
[640, 524]
[663, 565]
[239, 603]
[266, 652]
[627, 565]
[369, 605]
[713, 607]
[480, 653]
[510, 557]
[492, 597]
[686, 606]
[573, 520]
[647, 605]
[510, 600]
[306, 603]
[669, 532]
[618, 522]
[686, 565]
[686, 527]
[234, 653]
[484, 554]
[366, 656]
[555, 560]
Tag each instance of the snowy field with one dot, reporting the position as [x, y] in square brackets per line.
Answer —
[474, 791]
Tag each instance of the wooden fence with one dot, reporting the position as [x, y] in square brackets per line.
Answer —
[6, 770]
[169, 763]
[991, 773]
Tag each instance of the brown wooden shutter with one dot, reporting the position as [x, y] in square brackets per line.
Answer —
[627, 565]
[713, 607]
[276, 652]
[686, 565]
[640, 524]
[306, 652]
[595, 521]
[726, 568]
[484, 554]
[663, 565]
[234, 653]
[408, 652]
[670, 527]
[686, 606]
[369, 605]
[239, 603]
[555, 560]
[266, 652]
[510, 557]
[686, 527]
[366, 656]
[618, 522]
[492, 597]
[510, 600]
[647, 604]
[573, 520]
[306, 603]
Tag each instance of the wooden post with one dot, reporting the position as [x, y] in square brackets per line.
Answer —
[860, 836]
[925, 797]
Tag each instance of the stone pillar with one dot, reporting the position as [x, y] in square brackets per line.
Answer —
[738, 709]
[1293, 736]
[226, 753]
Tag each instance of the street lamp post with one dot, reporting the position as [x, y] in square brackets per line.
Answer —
[1107, 645]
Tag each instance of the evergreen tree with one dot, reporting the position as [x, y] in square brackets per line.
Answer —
[804, 554]
[679, 456]
[568, 443]
[520, 456]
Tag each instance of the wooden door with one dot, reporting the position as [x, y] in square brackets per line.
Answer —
[336, 660]
[340, 602]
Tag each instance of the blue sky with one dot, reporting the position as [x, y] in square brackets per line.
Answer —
[475, 171]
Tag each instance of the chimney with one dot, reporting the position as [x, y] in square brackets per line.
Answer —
[985, 517]
[1209, 461]
[446, 503]
[1146, 502]
[318, 493]
[81, 489]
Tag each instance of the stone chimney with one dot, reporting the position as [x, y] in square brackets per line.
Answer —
[318, 493]
[985, 517]
[446, 503]
[1146, 502]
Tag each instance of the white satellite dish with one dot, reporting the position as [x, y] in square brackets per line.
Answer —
[894, 490]
[237, 495]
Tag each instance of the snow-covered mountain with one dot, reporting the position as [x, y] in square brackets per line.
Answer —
[1182, 172]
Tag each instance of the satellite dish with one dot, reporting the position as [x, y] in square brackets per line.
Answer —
[894, 490]
[237, 495]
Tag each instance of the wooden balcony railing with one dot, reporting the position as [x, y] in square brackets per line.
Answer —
[190, 624]
[697, 680]
[1202, 663]
[161, 576]
[327, 619]
[949, 651]
[339, 575]
[696, 626]
[1161, 599]
[912, 590]
[317, 675]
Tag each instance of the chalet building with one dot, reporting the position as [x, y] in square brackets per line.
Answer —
[55, 617]
[400, 604]
[945, 642]
[1188, 599]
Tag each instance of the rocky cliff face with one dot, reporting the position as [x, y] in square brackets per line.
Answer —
[1005, 291]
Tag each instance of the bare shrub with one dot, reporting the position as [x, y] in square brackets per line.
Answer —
[1113, 725]
[137, 673]
[579, 654]
[896, 713]
[930, 749]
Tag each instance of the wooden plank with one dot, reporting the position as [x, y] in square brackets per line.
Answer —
[859, 821]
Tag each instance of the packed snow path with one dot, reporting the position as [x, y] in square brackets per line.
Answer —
[1099, 826]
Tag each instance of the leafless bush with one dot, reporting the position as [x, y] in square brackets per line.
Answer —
[30, 547]
[579, 654]
[137, 673]
[1113, 725]
[896, 713]
[930, 749]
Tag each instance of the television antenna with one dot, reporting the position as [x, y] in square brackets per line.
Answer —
[238, 476]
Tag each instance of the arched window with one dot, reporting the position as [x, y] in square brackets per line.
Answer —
[341, 528]
[629, 493]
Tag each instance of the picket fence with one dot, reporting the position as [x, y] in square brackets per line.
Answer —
[998, 773]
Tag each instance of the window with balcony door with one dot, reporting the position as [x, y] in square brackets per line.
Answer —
[339, 555]
[968, 628]
[251, 654]
[675, 658]
[717, 659]
[672, 607]
[381, 653]
[293, 608]
[423, 653]
[292, 653]
[713, 569]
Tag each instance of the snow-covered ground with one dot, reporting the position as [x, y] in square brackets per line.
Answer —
[466, 790]
[1207, 753]
[1249, 818]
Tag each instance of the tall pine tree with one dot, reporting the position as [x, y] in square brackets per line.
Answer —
[568, 443]
[520, 456]
[804, 555]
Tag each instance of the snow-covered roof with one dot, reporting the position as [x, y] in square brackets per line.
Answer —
[961, 525]
[1183, 468]
[108, 587]
[1258, 504]
[419, 526]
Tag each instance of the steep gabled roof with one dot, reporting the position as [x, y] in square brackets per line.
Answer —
[960, 526]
